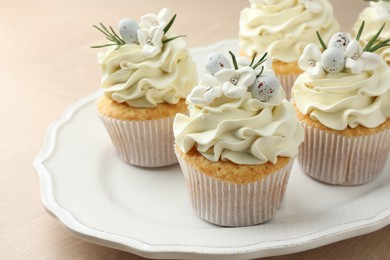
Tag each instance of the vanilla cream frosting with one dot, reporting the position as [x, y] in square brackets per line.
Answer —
[243, 130]
[128, 76]
[284, 27]
[339, 100]
[375, 16]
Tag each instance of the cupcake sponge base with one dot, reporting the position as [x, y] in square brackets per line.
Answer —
[232, 204]
[343, 160]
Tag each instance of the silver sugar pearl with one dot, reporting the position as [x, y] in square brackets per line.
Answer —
[149, 41]
[234, 81]
[312, 63]
[155, 24]
[355, 56]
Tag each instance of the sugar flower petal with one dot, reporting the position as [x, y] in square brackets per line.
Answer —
[359, 61]
[310, 61]
[150, 20]
[151, 40]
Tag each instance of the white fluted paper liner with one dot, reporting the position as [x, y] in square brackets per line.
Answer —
[146, 143]
[287, 81]
[342, 160]
[235, 205]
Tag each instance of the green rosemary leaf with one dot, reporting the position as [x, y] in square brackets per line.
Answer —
[116, 36]
[173, 38]
[168, 26]
[321, 41]
[261, 71]
[234, 60]
[262, 60]
[102, 31]
[105, 29]
[111, 35]
[102, 46]
[253, 59]
[360, 31]
[377, 47]
[373, 39]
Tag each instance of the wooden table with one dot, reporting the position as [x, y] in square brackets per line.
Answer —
[46, 64]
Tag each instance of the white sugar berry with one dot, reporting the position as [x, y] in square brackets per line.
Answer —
[128, 30]
[339, 40]
[333, 60]
[216, 62]
[264, 87]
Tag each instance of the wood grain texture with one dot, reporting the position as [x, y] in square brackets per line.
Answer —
[47, 65]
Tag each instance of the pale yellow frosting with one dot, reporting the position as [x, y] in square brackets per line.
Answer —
[340, 100]
[374, 16]
[128, 76]
[284, 27]
[243, 130]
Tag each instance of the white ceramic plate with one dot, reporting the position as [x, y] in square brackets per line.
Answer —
[147, 212]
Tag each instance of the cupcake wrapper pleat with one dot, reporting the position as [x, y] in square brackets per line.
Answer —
[342, 160]
[143, 143]
[287, 81]
[228, 204]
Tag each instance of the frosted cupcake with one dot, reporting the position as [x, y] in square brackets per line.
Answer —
[343, 101]
[146, 76]
[237, 146]
[283, 28]
[375, 16]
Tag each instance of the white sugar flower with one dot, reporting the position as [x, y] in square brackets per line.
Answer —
[235, 82]
[359, 60]
[151, 40]
[310, 61]
[162, 19]
[311, 5]
[205, 92]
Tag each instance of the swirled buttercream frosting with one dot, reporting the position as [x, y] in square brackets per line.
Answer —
[341, 100]
[148, 64]
[226, 122]
[375, 16]
[129, 76]
[284, 27]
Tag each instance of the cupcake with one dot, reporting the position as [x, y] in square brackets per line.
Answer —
[375, 16]
[283, 28]
[343, 102]
[146, 75]
[237, 146]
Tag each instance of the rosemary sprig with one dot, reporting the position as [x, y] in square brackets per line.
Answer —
[377, 0]
[173, 38]
[321, 41]
[360, 31]
[253, 59]
[234, 60]
[110, 35]
[168, 26]
[261, 61]
[374, 44]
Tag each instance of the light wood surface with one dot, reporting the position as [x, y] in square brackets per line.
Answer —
[46, 64]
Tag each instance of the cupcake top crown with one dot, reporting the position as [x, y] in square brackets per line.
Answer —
[342, 54]
[150, 33]
[312, 6]
[224, 80]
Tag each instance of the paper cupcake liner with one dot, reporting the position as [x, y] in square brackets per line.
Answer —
[287, 81]
[146, 143]
[228, 204]
[342, 160]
